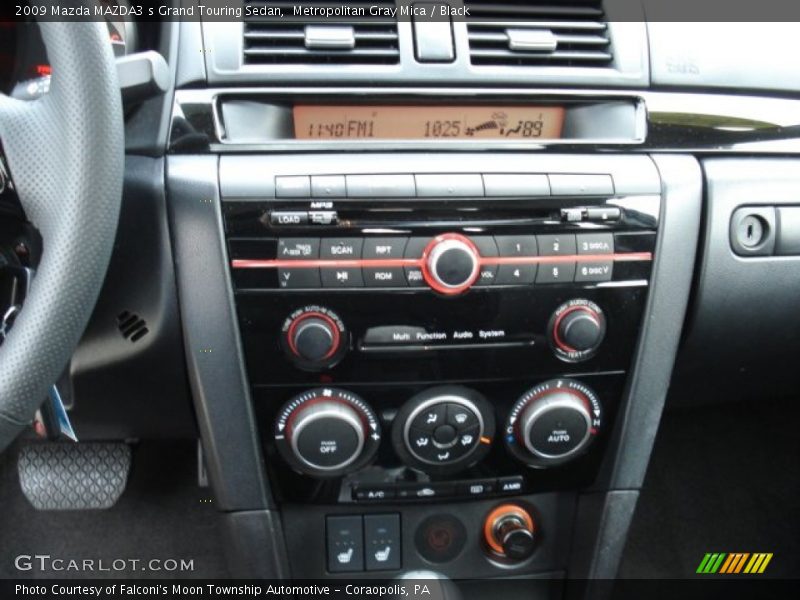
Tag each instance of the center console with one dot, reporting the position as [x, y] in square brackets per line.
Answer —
[431, 304]
[437, 347]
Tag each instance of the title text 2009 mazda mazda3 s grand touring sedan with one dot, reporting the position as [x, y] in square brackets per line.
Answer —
[437, 299]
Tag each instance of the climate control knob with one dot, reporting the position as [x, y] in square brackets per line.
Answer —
[553, 423]
[577, 329]
[451, 264]
[314, 338]
[327, 432]
[444, 429]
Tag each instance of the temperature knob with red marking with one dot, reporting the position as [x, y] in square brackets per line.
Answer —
[553, 423]
[314, 338]
[451, 264]
[576, 330]
[327, 432]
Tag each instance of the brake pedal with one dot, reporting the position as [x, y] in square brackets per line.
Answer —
[69, 476]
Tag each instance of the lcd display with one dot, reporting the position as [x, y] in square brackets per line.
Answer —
[318, 122]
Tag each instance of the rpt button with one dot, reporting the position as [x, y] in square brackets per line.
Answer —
[384, 248]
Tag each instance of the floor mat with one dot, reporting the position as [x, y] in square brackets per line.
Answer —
[162, 516]
[721, 479]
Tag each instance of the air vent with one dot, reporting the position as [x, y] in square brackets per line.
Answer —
[131, 326]
[526, 33]
[350, 42]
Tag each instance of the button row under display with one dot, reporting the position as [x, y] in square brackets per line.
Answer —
[473, 488]
[443, 185]
[346, 275]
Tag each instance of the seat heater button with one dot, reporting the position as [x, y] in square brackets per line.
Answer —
[345, 541]
[382, 542]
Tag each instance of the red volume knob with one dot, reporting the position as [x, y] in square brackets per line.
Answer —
[451, 264]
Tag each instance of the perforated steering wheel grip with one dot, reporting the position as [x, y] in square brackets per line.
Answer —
[65, 153]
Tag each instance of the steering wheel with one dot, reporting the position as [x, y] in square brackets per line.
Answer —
[65, 154]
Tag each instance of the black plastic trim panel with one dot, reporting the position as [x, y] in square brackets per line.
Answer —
[211, 337]
[603, 523]
[128, 373]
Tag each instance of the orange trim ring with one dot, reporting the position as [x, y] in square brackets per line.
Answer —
[498, 513]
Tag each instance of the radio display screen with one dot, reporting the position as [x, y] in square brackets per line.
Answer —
[322, 122]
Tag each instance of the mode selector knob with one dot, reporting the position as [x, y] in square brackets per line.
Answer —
[327, 432]
[444, 429]
[314, 338]
[577, 329]
[553, 423]
[451, 264]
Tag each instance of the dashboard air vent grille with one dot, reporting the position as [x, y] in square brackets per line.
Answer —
[525, 33]
[349, 42]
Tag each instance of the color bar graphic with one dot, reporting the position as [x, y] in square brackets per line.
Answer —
[733, 563]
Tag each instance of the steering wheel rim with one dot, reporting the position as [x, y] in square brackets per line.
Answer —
[65, 154]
